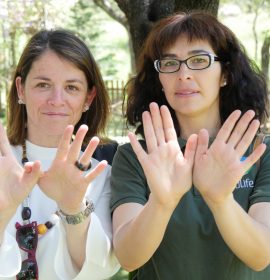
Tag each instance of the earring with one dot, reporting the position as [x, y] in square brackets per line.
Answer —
[162, 89]
[20, 101]
[224, 83]
[85, 108]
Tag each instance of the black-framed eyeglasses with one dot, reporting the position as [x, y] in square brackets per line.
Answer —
[27, 239]
[195, 62]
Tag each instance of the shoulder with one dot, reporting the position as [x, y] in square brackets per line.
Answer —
[262, 138]
[125, 153]
[106, 151]
[127, 148]
[126, 163]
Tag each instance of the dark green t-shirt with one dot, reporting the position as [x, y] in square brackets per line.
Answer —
[192, 247]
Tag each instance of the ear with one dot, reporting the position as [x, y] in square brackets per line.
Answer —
[20, 88]
[90, 96]
[223, 81]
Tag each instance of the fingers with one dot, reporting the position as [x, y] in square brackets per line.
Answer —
[96, 171]
[149, 133]
[64, 143]
[157, 123]
[86, 156]
[239, 132]
[32, 172]
[240, 128]
[158, 126]
[71, 152]
[202, 145]
[32, 167]
[168, 126]
[227, 128]
[247, 138]
[75, 147]
[136, 146]
[254, 156]
[5, 149]
[191, 147]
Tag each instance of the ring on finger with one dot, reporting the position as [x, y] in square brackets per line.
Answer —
[82, 167]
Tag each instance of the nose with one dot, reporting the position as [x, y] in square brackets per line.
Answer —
[184, 72]
[56, 97]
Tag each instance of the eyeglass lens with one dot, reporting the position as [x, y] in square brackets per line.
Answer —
[197, 62]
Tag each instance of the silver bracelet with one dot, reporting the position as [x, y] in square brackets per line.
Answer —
[79, 217]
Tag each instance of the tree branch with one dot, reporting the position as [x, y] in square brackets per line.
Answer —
[123, 5]
[107, 7]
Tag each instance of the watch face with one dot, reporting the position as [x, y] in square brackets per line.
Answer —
[76, 219]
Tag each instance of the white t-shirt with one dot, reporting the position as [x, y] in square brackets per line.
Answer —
[52, 254]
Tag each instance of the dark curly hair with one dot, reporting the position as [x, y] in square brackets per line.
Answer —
[246, 88]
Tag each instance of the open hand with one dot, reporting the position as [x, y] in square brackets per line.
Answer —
[64, 182]
[16, 181]
[220, 167]
[168, 171]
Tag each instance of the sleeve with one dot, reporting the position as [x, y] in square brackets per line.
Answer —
[261, 191]
[10, 257]
[128, 181]
[100, 262]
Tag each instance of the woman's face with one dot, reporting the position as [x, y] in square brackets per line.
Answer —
[55, 94]
[192, 93]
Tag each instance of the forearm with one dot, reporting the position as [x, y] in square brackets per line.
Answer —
[76, 241]
[136, 241]
[4, 220]
[245, 236]
[76, 234]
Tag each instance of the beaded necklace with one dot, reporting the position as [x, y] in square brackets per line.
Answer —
[26, 211]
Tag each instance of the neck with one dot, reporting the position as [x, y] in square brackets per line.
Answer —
[49, 141]
[192, 125]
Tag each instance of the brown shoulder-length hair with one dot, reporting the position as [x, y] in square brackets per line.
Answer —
[246, 88]
[68, 46]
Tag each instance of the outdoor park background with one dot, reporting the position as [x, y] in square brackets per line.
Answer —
[108, 41]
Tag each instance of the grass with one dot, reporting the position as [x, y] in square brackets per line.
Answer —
[121, 275]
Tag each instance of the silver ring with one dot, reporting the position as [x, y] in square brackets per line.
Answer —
[82, 167]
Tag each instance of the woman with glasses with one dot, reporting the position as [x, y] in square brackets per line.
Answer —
[54, 199]
[188, 200]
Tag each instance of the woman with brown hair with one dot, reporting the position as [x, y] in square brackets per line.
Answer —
[188, 201]
[57, 104]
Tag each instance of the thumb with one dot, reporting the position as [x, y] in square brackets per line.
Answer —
[32, 172]
[190, 149]
[202, 146]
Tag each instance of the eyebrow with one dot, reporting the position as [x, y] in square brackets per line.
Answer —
[69, 81]
[192, 52]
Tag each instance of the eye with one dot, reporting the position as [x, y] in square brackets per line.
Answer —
[72, 88]
[167, 62]
[42, 85]
[199, 59]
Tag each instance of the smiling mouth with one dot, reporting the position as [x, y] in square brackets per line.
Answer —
[55, 114]
[187, 93]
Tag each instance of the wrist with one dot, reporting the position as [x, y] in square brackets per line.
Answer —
[220, 205]
[68, 210]
[78, 217]
[164, 207]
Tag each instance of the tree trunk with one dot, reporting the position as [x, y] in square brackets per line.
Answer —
[265, 57]
[142, 14]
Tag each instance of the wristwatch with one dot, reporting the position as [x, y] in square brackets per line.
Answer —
[79, 217]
